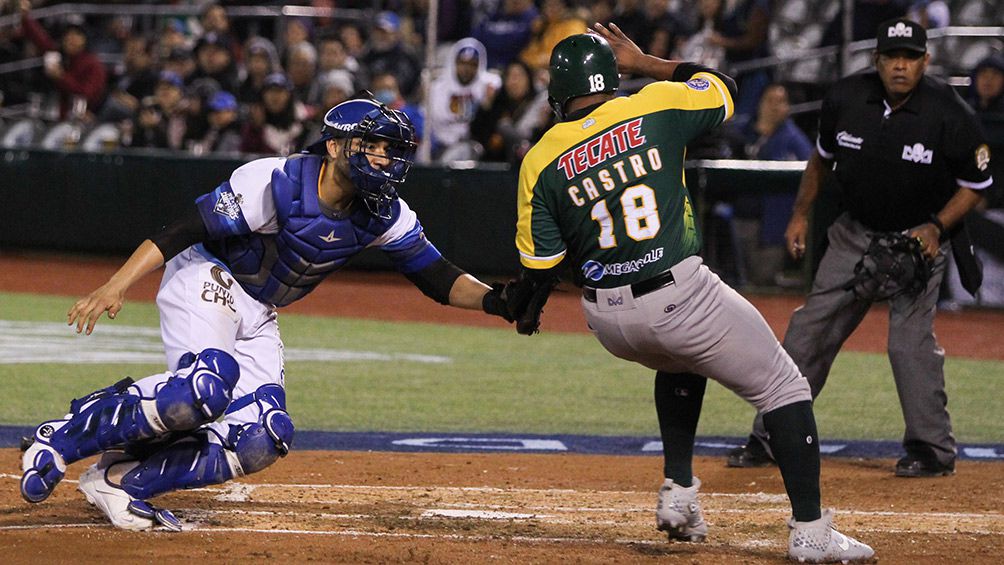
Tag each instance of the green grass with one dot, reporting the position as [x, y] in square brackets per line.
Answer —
[497, 381]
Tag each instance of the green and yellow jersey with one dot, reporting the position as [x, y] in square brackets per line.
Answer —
[607, 190]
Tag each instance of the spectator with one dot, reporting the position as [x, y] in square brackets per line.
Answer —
[161, 120]
[456, 95]
[507, 31]
[334, 87]
[865, 17]
[929, 13]
[986, 96]
[172, 37]
[556, 22]
[353, 40]
[662, 30]
[112, 38]
[73, 70]
[215, 60]
[301, 64]
[332, 56]
[771, 135]
[224, 132]
[385, 90]
[761, 217]
[506, 125]
[134, 82]
[276, 123]
[386, 53]
[180, 62]
[742, 31]
[698, 47]
[262, 60]
[630, 17]
[197, 97]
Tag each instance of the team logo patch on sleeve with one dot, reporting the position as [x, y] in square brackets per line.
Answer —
[982, 157]
[698, 84]
[228, 205]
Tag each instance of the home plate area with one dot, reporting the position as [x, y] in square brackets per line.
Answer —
[352, 506]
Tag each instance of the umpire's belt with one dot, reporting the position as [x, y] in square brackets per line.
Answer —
[638, 289]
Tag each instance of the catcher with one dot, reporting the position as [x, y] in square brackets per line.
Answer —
[909, 158]
[261, 240]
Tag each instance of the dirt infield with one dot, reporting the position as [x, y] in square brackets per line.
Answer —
[372, 507]
[353, 507]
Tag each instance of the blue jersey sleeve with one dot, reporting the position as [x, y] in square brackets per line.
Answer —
[221, 212]
[411, 252]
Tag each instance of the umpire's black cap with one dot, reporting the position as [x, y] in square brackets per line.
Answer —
[901, 33]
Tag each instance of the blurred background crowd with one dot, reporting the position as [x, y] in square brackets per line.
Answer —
[257, 78]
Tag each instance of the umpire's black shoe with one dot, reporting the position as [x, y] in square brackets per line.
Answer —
[753, 454]
[911, 466]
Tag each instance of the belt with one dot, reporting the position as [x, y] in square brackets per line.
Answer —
[638, 289]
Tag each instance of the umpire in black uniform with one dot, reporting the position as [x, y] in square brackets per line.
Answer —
[909, 157]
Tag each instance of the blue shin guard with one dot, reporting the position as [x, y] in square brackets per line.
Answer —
[112, 417]
[205, 458]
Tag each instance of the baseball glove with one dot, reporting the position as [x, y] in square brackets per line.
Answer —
[893, 264]
[522, 300]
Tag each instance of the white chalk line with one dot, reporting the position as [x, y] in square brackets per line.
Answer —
[239, 492]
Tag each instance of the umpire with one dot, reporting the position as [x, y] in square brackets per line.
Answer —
[909, 157]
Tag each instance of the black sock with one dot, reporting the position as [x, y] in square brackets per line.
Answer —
[678, 399]
[795, 446]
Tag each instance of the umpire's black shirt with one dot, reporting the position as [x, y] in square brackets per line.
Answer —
[896, 168]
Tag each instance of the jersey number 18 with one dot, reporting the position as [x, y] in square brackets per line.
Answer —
[641, 216]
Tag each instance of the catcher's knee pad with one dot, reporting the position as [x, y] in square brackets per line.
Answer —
[260, 444]
[197, 460]
[197, 395]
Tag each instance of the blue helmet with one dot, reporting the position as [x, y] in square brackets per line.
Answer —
[371, 121]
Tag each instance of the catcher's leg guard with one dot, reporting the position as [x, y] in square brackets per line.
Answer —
[206, 458]
[112, 417]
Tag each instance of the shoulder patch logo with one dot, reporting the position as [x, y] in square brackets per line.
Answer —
[698, 84]
[228, 205]
[588, 123]
[982, 157]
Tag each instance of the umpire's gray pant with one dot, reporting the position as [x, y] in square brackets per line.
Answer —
[819, 328]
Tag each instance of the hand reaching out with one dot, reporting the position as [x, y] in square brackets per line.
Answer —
[87, 310]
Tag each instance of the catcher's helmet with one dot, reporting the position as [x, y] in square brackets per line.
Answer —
[372, 122]
[581, 64]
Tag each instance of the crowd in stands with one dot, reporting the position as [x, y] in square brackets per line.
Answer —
[216, 84]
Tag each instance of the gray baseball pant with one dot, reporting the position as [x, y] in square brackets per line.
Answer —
[830, 314]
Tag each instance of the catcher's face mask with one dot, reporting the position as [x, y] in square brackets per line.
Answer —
[894, 264]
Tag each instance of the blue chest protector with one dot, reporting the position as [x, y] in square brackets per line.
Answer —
[281, 268]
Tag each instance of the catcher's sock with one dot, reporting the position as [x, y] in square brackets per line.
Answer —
[678, 399]
[795, 446]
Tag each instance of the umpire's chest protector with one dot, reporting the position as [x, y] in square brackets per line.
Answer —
[283, 267]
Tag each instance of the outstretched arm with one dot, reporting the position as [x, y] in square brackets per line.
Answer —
[109, 297]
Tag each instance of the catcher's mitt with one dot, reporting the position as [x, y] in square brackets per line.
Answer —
[893, 264]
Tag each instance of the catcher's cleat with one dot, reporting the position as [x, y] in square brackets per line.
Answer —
[679, 513]
[42, 466]
[753, 454]
[818, 542]
[112, 501]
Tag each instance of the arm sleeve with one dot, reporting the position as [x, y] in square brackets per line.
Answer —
[180, 234]
[436, 279]
[37, 34]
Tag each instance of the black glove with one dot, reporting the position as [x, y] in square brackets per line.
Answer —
[499, 301]
[893, 264]
[521, 301]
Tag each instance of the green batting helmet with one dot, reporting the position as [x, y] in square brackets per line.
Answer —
[581, 64]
